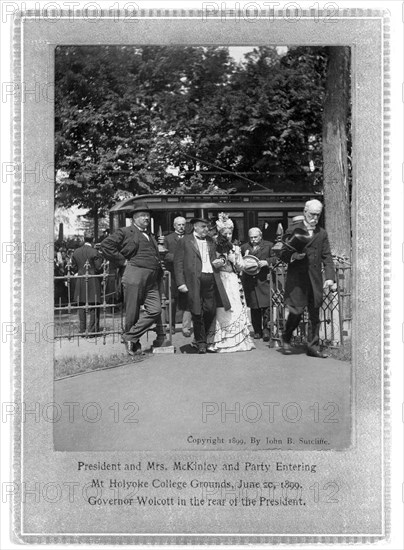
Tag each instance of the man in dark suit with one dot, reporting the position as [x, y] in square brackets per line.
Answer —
[87, 292]
[196, 276]
[304, 280]
[256, 287]
[136, 249]
[170, 243]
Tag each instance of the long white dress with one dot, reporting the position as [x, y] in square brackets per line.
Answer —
[229, 331]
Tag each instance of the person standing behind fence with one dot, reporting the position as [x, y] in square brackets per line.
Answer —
[86, 261]
[135, 248]
[256, 287]
[304, 280]
[178, 299]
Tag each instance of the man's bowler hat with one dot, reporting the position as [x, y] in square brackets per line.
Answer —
[140, 207]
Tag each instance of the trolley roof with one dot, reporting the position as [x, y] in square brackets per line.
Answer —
[239, 201]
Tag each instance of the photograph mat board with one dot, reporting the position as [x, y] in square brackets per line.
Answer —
[358, 471]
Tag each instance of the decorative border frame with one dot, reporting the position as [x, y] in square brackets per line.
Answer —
[18, 304]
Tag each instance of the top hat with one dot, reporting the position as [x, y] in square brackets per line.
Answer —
[203, 220]
[251, 265]
[298, 240]
[140, 207]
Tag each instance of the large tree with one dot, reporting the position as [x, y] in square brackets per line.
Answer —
[335, 150]
[122, 116]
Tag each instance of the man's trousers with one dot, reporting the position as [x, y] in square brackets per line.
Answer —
[94, 325]
[208, 306]
[259, 319]
[294, 318]
[140, 288]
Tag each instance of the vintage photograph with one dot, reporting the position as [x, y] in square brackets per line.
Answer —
[203, 286]
[202, 264]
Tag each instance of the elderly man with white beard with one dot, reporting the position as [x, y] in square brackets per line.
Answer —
[304, 282]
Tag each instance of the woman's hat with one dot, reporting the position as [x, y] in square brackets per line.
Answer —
[298, 239]
[251, 265]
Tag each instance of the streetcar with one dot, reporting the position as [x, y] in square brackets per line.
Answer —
[265, 210]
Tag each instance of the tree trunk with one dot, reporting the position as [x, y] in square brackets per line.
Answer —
[336, 180]
[336, 183]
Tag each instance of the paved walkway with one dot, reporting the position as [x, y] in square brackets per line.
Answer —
[251, 400]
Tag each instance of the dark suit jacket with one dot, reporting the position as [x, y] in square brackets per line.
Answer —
[80, 257]
[307, 272]
[188, 269]
[123, 244]
[170, 242]
[256, 287]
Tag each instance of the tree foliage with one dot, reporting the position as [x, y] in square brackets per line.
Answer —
[179, 119]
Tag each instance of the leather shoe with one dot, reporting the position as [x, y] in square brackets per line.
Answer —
[316, 353]
[129, 347]
[186, 333]
[137, 349]
[265, 335]
[287, 348]
[202, 349]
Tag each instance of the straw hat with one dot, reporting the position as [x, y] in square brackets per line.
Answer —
[251, 265]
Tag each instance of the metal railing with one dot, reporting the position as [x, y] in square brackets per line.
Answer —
[335, 311]
[106, 310]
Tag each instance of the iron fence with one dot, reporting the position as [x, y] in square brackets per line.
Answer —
[335, 311]
[104, 315]
[108, 312]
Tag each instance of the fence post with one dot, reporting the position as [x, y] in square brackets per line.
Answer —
[105, 273]
[344, 286]
[166, 345]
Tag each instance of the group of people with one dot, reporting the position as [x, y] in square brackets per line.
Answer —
[76, 270]
[215, 280]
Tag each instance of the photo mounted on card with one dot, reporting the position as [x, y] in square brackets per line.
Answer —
[203, 315]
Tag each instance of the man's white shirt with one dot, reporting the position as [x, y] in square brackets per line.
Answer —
[204, 252]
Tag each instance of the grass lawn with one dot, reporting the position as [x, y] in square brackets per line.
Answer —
[70, 366]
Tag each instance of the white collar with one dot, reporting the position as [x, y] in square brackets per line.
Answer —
[308, 226]
[140, 229]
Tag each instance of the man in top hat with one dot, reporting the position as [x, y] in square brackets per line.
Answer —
[87, 291]
[197, 277]
[170, 243]
[256, 284]
[136, 249]
[304, 280]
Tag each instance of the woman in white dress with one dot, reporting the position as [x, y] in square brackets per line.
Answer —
[229, 331]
